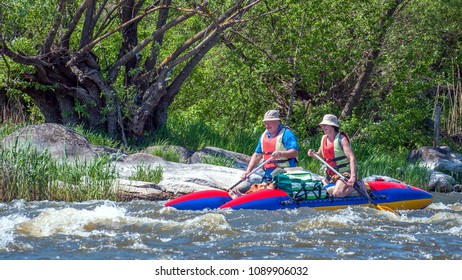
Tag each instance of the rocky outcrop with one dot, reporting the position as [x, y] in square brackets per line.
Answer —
[444, 167]
[177, 178]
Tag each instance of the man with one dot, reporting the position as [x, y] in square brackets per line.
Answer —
[335, 148]
[278, 142]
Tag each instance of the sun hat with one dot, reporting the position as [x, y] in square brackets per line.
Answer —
[329, 119]
[271, 115]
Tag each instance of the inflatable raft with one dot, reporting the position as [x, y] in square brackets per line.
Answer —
[394, 195]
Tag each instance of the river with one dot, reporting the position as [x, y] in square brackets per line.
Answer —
[145, 230]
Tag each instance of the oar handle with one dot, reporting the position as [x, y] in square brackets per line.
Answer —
[251, 172]
[328, 166]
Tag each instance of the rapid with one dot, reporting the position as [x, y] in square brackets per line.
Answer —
[146, 230]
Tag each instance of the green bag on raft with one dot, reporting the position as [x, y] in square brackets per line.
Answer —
[300, 186]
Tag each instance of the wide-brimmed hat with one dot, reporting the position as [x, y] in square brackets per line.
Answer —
[271, 115]
[330, 119]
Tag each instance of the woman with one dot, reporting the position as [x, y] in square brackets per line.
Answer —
[336, 150]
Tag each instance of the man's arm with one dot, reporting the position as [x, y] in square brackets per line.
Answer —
[254, 160]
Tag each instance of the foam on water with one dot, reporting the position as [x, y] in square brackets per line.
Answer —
[143, 229]
[71, 221]
[7, 228]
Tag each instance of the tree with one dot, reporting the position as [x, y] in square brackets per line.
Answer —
[363, 78]
[113, 65]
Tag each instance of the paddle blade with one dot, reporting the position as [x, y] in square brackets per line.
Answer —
[385, 208]
[201, 200]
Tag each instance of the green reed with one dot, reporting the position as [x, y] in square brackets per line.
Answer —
[195, 135]
[147, 174]
[218, 160]
[164, 151]
[97, 138]
[375, 161]
[29, 175]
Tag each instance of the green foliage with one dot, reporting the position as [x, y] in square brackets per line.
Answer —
[147, 174]
[195, 135]
[97, 138]
[217, 160]
[223, 94]
[167, 154]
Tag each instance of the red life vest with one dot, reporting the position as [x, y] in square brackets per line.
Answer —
[334, 154]
[270, 145]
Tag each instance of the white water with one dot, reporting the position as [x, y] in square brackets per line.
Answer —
[147, 230]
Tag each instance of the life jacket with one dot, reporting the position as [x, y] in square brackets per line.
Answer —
[270, 145]
[334, 154]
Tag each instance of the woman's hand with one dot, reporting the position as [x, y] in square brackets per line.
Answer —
[351, 182]
[311, 152]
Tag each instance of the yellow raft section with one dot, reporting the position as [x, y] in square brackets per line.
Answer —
[398, 205]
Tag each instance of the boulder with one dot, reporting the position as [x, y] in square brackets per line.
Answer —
[441, 182]
[443, 165]
[177, 178]
[438, 159]
[61, 142]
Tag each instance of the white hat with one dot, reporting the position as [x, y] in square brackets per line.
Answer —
[330, 119]
[271, 115]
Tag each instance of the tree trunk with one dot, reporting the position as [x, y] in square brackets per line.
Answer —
[48, 105]
[70, 86]
[355, 95]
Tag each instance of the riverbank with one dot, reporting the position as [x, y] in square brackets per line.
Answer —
[58, 163]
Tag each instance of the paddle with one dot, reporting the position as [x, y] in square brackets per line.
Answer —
[355, 186]
[251, 172]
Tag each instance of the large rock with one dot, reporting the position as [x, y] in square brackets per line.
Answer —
[61, 142]
[180, 178]
[438, 159]
[441, 182]
[443, 165]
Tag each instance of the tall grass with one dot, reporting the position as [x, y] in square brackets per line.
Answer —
[29, 175]
[195, 135]
[372, 160]
[453, 110]
[7, 128]
[218, 160]
[147, 174]
[168, 153]
[97, 138]
[449, 99]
